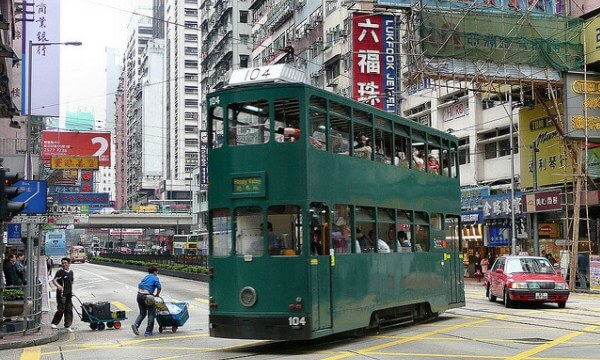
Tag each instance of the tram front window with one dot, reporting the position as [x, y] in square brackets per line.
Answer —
[248, 123]
[284, 230]
[248, 231]
[221, 230]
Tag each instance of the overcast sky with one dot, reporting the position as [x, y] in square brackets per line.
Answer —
[97, 24]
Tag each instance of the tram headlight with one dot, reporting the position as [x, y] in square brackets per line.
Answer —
[248, 296]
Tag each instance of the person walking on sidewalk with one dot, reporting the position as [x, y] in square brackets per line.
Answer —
[63, 280]
[148, 288]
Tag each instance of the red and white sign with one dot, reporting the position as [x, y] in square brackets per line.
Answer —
[76, 143]
[542, 201]
[367, 47]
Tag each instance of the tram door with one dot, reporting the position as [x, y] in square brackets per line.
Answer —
[453, 262]
[324, 291]
[321, 263]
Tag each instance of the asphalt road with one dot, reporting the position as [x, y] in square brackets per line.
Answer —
[480, 330]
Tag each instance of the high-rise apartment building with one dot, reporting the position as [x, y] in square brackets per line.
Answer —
[183, 96]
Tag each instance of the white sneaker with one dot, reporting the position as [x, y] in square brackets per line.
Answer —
[53, 326]
[69, 329]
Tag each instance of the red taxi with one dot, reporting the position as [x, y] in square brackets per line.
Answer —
[526, 279]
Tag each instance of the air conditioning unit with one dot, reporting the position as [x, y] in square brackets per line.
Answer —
[300, 4]
[343, 33]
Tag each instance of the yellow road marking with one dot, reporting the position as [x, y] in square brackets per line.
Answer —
[119, 305]
[32, 353]
[561, 340]
[202, 300]
[371, 349]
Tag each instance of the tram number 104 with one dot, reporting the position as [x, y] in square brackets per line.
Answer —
[296, 321]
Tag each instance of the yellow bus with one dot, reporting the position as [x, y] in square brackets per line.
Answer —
[77, 254]
[187, 244]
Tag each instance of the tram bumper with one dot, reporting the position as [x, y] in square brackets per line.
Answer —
[263, 327]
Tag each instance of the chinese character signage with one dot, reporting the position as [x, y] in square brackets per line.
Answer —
[83, 198]
[74, 162]
[472, 198]
[498, 206]
[581, 96]
[45, 60]
[553, 165]
[203, 160]
[87, 181]
[499, 236]
[542, 201]
[374, 59]
[592, 39]
[76, 143]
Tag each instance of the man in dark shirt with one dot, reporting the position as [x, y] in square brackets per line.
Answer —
[63, 280]
[10, 273]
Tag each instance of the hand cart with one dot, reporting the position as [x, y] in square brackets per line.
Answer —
[99, 315]
[171, 314]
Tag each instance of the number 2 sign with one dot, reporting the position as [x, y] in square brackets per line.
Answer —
[76, 143]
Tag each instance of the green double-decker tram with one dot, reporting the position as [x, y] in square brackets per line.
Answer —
[326, 215]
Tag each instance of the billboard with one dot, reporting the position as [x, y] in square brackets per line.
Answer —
[553, 165]
[83, 198]
[76, 143]
[374, 59]
[582, 95]
[45, 60]
[592, 40]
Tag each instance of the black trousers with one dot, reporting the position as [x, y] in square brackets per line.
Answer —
[65, 309]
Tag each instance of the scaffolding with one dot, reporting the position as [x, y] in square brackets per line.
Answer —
[517, 54]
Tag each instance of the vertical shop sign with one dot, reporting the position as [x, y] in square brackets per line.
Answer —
[374, 59]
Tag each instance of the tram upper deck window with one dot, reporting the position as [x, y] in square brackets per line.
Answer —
[418, 154]
[248, 123]
[340, 134]
[287, 120]
[216, 115]
[318, 130]
[221, 232]
[248, 231]
[402, 146]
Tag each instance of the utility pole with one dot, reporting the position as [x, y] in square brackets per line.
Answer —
[534, 216]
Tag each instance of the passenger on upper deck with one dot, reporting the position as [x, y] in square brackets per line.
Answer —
[404, 243]
[433, 164]
[362, 149]
[418, 162]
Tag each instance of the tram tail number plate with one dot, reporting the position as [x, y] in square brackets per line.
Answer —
[541, 296]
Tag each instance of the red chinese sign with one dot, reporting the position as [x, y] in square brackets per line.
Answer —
[76, 143]
[373, 56]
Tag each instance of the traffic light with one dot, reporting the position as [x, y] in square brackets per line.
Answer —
[8, 192]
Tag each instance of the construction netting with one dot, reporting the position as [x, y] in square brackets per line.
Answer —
[504, 37]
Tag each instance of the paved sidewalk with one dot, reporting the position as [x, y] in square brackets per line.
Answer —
[43, 336]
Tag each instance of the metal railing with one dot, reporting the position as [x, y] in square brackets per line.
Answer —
[29, 315]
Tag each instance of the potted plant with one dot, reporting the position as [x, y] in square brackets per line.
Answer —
[13, 302]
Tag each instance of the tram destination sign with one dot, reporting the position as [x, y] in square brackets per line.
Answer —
[249, 185]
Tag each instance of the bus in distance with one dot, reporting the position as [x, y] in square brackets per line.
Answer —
[56, 246]
[326, 215]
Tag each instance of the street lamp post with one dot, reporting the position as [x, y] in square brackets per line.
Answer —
[29, 290]
[29, 142]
